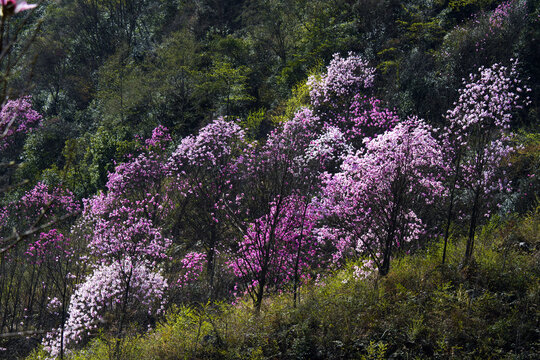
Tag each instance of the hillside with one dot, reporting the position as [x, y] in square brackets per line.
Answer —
[421, 310]
[269, 179]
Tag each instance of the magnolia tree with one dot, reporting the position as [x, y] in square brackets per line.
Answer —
[275, 217]
[121, 289]
[340, 98]
[17, 118]
[38, 260]
[477, 140]
[204, 171]
[372, 204]
[333, 92]
[125, 245]
[277, 249]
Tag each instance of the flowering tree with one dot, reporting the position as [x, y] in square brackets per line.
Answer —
[371, 204]
[274, 217]
[334, 91]
[205, 171]
[124, 237]
[340, 98]
[125, 221]
[277, 249]
[17, 118]
[476, 140]
[109, 291]
[38, 257]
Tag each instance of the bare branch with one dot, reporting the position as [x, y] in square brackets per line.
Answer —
[22, 333]
[19, 237]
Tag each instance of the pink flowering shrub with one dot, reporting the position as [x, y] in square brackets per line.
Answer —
[205, 172]
[477, 138]
[160, 137]
[107, 292]
[42, 262]
[125, 221]
[478, 127]
[134, 237]
[192, 268]
[17, 118]
[340, 98]
[46, 202]
[366, 118]
[277, 249]
[51, 244]
[344, 78]
[125, 241]
[205, 166]
[371, 204]
[274, 216]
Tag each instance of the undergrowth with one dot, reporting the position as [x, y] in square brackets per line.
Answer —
[421, 310]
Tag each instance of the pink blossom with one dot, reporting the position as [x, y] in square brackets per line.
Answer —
[10, 7]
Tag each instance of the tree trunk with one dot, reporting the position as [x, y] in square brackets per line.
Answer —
[210, 265]
[472, 227]
[450, 208]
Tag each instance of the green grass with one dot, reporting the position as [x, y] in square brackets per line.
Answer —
[421, 310]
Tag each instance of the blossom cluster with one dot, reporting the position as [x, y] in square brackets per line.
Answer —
[372, 200]
[17, 117]
[344, 77]
[478, 127]
[366, 269]
[47, 201]
[104, 292]
[278, 246]
[192, 266]
[50, 242]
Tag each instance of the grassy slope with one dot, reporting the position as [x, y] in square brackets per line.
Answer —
[420, 310]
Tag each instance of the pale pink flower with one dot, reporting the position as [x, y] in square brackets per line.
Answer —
[10, 7]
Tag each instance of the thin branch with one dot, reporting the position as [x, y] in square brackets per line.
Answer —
[19, 29]
[19, 237]
[22, 333]
[10, 187]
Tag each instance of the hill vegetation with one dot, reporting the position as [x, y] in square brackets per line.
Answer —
[269, 179]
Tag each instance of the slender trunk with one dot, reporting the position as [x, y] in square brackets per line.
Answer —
[398, 194]
[297, 260]
[451, 207]
[210, 266]
[472, 227]
[296, 273]
[448, 221]
[13, 325]
[63, 320]
[260, 291]
[122, 315]
[385, 268]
